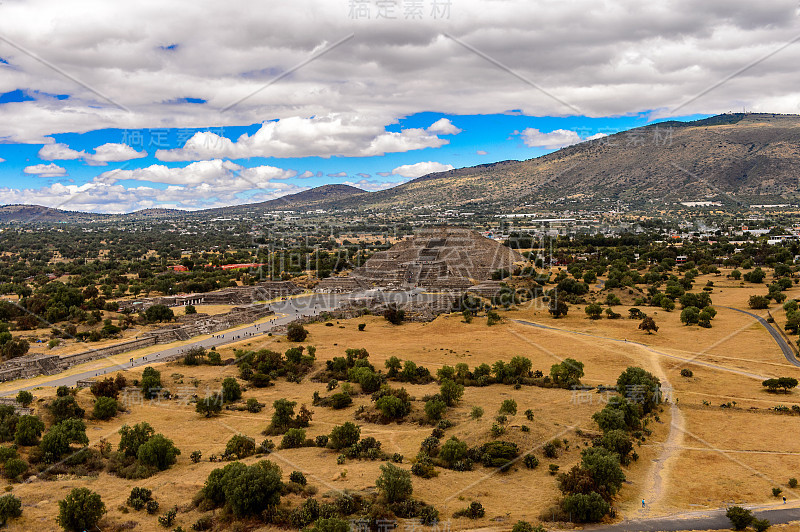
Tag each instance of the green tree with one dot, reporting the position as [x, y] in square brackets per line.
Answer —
[283, 414]
[740, 517]
[159, 313]
[80, 510]
[131, 438]
[231, 391]
[10, 508]
[58, 440]
[158, 451]
[648, 324]
[568, 373]
[209, 406]
[435, 409]
[394, 483]
[345, 435]
[240, 446]
[588, 508]
[451, 392]
[29, 429]
[105, 408]
[254, 489]
[452, 451]
[640, 387]
[296, 333]
[151, 382]
[25, 398]
[594, 311]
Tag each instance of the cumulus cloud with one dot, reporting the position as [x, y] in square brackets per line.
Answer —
[372, 185]
[46, 170]
[338, 174]
[481, 152]
[421, 169]
[558, 138]
[444, 126]
[308, 174]
[109, 152]
[347, 135]
[638, 57]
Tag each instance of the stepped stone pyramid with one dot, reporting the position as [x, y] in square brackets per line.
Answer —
[449, 258]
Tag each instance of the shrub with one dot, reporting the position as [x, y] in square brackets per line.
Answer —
[14, 468]
[345, 435]
[253, 406]
[59, 438]
[530, 461]
[205, 522]
[586, 507]
[298, 477]
[168, 518]
[435, 409]
[244, 490]
[453, 451]
[210, 405]
[25, 398]
[509, 407]
[80, 510]
[792, 483]
[394, 483]
[139, 497]
[550, 450]
[231, 391]
[362, 326]
[475, 510]
[293, 439]
[151, 382]
[685, 372]
[296, 333]
[151, 507]
[196, 456]
[451, 392]
[10, 508]
[776, 492]
[28, 431]
[105, 408]
[321, 440]
[522, 526]
[476, 413]
[65, 407]
[158, 452]
[240, 446]
[529, 414]
[739, 517]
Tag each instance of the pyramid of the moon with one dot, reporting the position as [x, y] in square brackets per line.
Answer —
[440, 257]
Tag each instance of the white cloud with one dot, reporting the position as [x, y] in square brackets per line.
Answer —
[444, 126]
[2, 160]
[373, 186]
[59, 152]
[115, 153]
[338, 174]
[307, 174]
[46, 170]
[558, 138]
[482, 152]
[107, 153]
[348, 135]
[421, 169]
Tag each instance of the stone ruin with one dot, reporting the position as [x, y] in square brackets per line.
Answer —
[236, 295]
[449, 259]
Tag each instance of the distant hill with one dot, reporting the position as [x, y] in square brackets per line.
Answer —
[734, 158]
[738, 159]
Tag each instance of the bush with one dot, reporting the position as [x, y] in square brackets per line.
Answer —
[362, 326]
[253, 406]
[509, 407]
[151, 507]
[210, 405]
[321, 440]
[168, 518]
[586, 507]
[792, 483]
[24, 398]
[196, 456]
[293, 439]
[296, 333]
[476, 413]
[761, 525]
[105, 408]
[65, 407]
[139, 497]
[28, 431]
[522, 526]
[740, 518]
[685, 372]
[453, 451]
[345, 435]
[435, 409]
[80, 510]
[298, 477]
[158, 452]
[244, 490]
[240, 446]
[151, 382]
[530, 461]
[776, 492]
[10, 508]
[394, 483]
[59, 438]
[475, 510]
[231, 391]
[451, 392]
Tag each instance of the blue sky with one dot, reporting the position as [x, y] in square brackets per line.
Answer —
[114, 107]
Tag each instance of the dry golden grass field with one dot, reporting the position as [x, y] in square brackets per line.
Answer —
[700, 456]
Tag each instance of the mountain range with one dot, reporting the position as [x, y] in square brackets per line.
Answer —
[737, 159]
